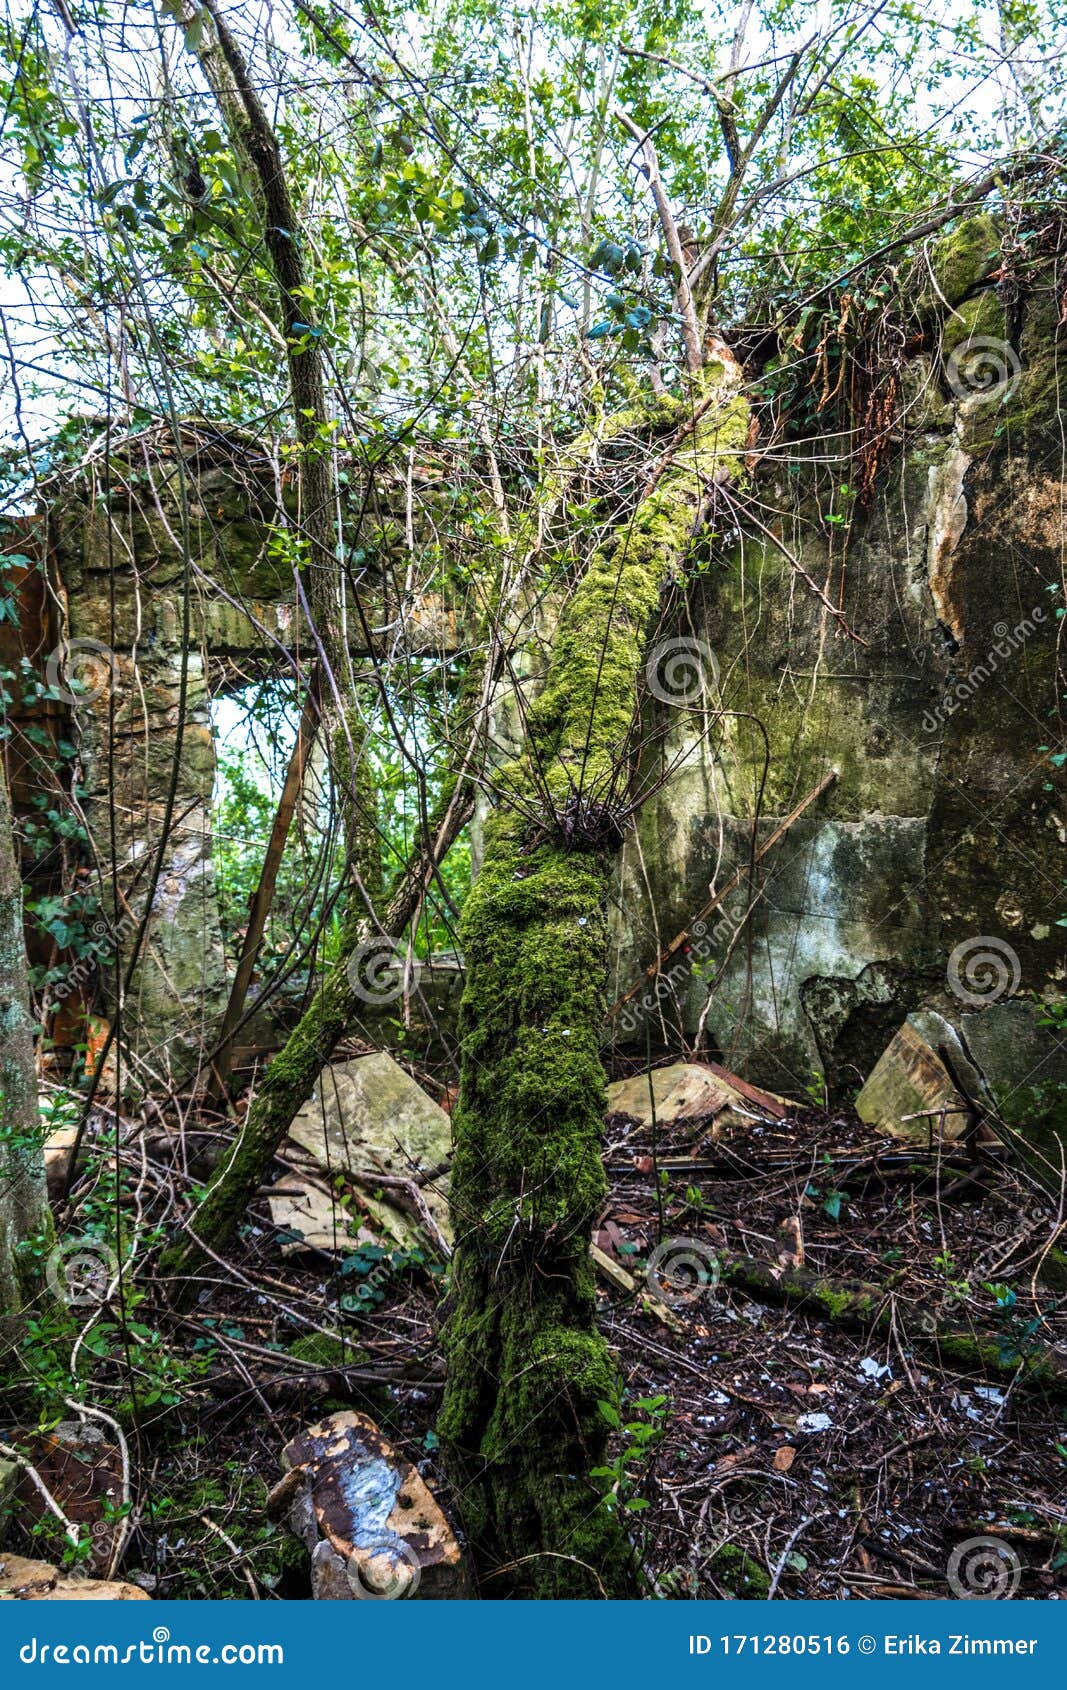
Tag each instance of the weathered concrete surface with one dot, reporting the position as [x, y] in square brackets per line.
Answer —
[310, 1218]
[692, 1092]
[38, 1581]
[83, 1472]
[1011, 1067]
[945, 824]
[368, 1117]
[907, 1085]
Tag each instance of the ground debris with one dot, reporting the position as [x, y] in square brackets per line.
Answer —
[780, 1413]
[369, 1520]
[38, 1581]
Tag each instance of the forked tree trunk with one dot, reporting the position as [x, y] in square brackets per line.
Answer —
[526, 1365]
[23, 1200]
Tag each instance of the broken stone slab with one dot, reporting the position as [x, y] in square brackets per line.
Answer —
[312, 1219]
[368, 1117]
[1012, 1067]
[906, 1088]
[39, 1581]
[367, 1517]
[1021, 1064]
[690, 1091]
[58, 1149]
[82, 1470]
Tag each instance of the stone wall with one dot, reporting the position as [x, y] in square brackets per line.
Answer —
[945, 824]
[173, 586]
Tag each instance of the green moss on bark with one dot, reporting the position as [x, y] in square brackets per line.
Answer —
[960, 260]
[527, 1365]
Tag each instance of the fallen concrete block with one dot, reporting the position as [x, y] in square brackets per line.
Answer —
[58, 1149]
[907, 1088]
[698, 1092]
[83, 1472]
[313, 1220]
[1011, 1061]
[370, 1120]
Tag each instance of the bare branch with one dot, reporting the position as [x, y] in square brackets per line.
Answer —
[694, 355]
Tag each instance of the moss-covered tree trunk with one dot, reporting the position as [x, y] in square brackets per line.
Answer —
[23, 1199]
[526, 1364]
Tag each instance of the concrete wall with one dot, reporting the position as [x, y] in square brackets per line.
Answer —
[945, 825]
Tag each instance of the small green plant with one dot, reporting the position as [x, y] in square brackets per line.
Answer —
[371, 1270]
[814, 1088]
[829, 1199]
[959, 1289]
[626, 1472]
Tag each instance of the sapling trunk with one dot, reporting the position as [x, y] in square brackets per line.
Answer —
[23, 1199]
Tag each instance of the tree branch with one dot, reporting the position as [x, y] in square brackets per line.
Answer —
[694, 354]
